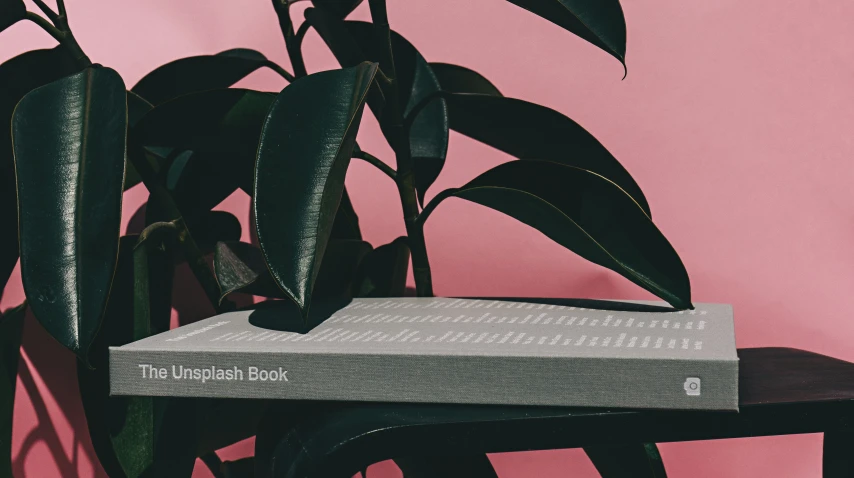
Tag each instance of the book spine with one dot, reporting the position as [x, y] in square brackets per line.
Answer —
[467, 379]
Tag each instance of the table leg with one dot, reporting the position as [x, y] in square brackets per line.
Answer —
[636, 460]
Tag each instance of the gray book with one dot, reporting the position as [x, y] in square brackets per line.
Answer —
[442, 350]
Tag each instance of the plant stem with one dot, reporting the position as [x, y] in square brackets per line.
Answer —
[46, 10]
[62, 33]
[195, 258]
[370, 158]
[281, 71]
[45, 25]
[425, 213]
[69, 42]
[293, 42]
[400, 144]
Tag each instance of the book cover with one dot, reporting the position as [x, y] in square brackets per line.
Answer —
[445, 350]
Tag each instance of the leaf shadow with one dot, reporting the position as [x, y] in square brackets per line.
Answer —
[59, 377]
[284, 315]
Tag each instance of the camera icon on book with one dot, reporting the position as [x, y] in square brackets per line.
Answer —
[692, 386]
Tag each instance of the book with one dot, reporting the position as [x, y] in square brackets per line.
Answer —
[445, 350]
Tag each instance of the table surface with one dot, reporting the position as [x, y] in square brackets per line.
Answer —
[782, 391]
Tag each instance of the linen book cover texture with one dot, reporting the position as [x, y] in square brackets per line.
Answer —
[444, 350]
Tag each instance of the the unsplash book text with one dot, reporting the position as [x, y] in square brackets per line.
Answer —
[444, 350]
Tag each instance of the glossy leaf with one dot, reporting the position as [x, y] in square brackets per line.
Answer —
[336, 8]
[383, 271]
[530, 131]
[305, 149]
[587, 214]
[353, 42]
[240, 267]
[11, 11]
[221, 127]
[11, 328]
[459, 79]
[199, 73]
[69, 144]
[19, 76]
[600, 22]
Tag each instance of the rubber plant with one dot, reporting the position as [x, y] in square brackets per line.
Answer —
[76, 137]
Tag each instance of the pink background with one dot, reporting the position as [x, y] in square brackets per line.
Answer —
[735, 118]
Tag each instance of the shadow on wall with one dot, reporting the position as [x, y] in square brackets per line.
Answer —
[56, 372]
[56, 368]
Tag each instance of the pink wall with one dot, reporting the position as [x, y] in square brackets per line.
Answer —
[735, 118]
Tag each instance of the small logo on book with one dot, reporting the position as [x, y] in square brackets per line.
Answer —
[692, 386]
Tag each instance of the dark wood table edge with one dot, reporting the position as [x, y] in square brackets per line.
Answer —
[328, 442]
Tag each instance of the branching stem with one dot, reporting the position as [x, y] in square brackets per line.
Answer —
[369, 158]
[45, 25]
[419, 107]
[428, 209]
[293, 41]
[46, 10]
[399, 139]
[281, 71]
[195, 258]
[60, 31]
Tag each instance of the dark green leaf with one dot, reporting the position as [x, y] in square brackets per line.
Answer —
[19, 76]
[158, 435]
[338, 268]
[240, 267]
[123, 428]
[600, 22]
[197, 185]
[199, 73]
[11, 327]
[530, 131]
[102, 412]
[137, 108]
[383, 272]
[459, 79]
[221, 128]
[305, 149]
[69, 143]
[216, 226]
[11, 11]
[346, 225]
[354, 42]
[587, 214]
[635, 460]
[337, 8]
[214, 464]
[242, 468]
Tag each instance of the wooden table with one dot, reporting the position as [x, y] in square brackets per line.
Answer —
[782, 392]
